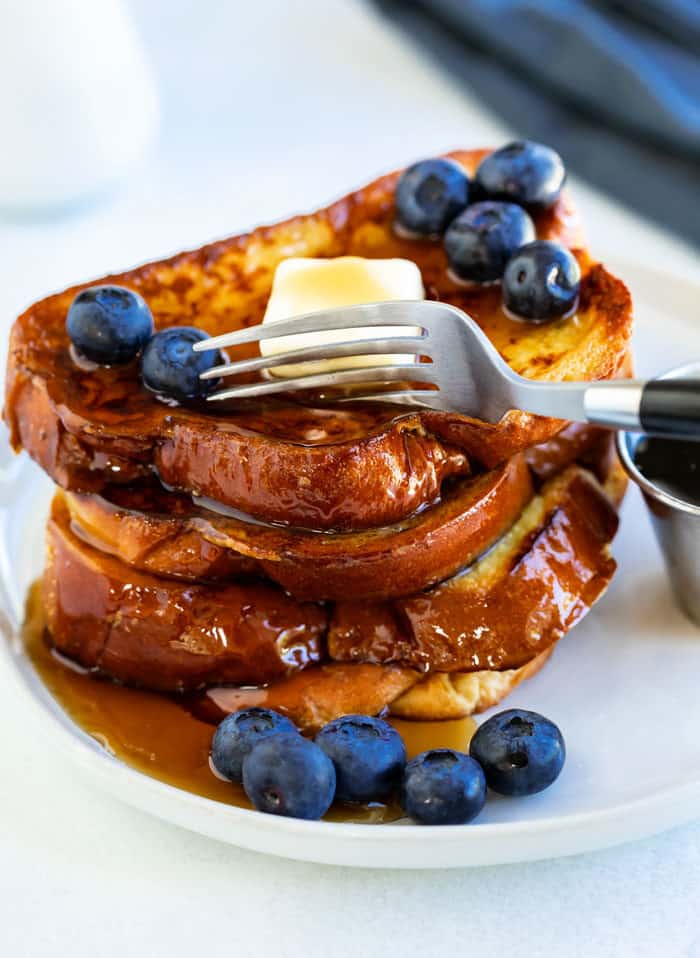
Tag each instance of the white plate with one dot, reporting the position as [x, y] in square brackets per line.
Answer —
[622, 686]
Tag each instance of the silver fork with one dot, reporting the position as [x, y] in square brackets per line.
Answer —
[465, 374]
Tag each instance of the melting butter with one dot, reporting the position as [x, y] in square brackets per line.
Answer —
[307, 285]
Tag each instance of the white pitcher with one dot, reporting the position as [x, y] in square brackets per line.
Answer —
[78, 105]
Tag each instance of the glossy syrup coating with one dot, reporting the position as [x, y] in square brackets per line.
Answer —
[306, 465]
[168, 737]
[513, 604]
[166, 534]
[504, 612]
[167, 635]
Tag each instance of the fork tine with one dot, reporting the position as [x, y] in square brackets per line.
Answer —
[351, 317]
[408, 372]
[406, 397]
[362, 347]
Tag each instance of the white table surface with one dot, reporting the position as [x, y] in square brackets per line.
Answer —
[270, 107]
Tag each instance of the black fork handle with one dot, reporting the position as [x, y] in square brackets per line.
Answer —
[671, 408]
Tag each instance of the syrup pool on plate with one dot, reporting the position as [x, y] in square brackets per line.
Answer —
[157, 735]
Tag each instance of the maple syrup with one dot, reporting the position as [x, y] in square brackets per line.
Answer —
[160, 736]
[671, 464]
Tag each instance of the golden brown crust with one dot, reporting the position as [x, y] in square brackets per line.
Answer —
[369, 467]
[445, 695]
[513, 604]
[156, 632]
[163, 635]
[166, 535]
[318, 694]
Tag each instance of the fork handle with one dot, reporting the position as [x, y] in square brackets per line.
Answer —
[663, 407]
[671, 408]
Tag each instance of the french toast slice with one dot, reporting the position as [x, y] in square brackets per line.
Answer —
[513, 604]
[322, 693]
[167, 635]
[315, 696]
[164, 533]
[170, 536]
[303, 464]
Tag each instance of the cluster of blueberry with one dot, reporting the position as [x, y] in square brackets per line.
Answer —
[487, 230]
[111, 325]
[488, 236]
[358, 758]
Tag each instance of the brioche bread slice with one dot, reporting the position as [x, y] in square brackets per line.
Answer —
[165, 534]
[512, 605]
[306, 465]
[159, 633]
[169, 636]
[319, 694]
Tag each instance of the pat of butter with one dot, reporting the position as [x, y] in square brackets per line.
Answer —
[307, 285]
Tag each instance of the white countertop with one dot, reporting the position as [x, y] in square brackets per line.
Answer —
[271, 107]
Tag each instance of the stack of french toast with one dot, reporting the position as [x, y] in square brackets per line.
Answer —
[325, 559]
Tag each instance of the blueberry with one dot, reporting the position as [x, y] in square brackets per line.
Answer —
[541, 282]
[429, 195]
[238, 733]
[109, 325]
[289, 775]
[369, 757]
[170, 367]
[481, 240]
[524, 172]
[520, 752]
[443, 787]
